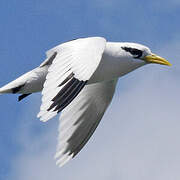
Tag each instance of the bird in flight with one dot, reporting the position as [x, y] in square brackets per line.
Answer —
[78, 79]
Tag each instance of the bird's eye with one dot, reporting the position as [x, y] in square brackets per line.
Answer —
[135, 52]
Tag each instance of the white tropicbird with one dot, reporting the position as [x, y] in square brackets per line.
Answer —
[79, 78]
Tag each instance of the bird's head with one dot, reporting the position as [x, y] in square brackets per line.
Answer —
[142, 54]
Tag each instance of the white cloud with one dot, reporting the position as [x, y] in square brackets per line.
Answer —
[138, 137]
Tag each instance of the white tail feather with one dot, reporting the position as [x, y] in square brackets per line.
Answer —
[5, 89]
[8, 87]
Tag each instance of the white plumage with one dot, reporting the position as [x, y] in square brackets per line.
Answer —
[80, 119]
[79, 78]
[78, 59]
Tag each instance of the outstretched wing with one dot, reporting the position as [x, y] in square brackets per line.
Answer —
[73, 65]
[79, 120]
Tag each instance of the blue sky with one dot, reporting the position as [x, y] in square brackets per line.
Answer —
[144, 115]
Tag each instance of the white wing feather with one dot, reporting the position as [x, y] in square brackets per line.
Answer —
[79, 120]
[73, 65]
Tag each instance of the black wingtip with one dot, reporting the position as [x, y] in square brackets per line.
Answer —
[17, 89]
[71, 89]
[23, 96]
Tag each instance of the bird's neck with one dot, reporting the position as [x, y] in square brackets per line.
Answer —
[114, 63]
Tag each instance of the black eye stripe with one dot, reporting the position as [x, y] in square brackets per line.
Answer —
[135, 52]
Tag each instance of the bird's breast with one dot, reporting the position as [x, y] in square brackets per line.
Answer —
[112, 67]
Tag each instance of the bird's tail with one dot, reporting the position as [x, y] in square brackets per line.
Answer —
[12, 87]
[29, 82]
[15, 85]
[4, 90]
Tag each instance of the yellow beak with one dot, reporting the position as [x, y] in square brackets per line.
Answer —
[153, 58]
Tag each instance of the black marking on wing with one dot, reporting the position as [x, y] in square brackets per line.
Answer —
[17, 89]
[135, 52]
[67, 79]
[71, 89]
[50, 60]
[23, 96]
